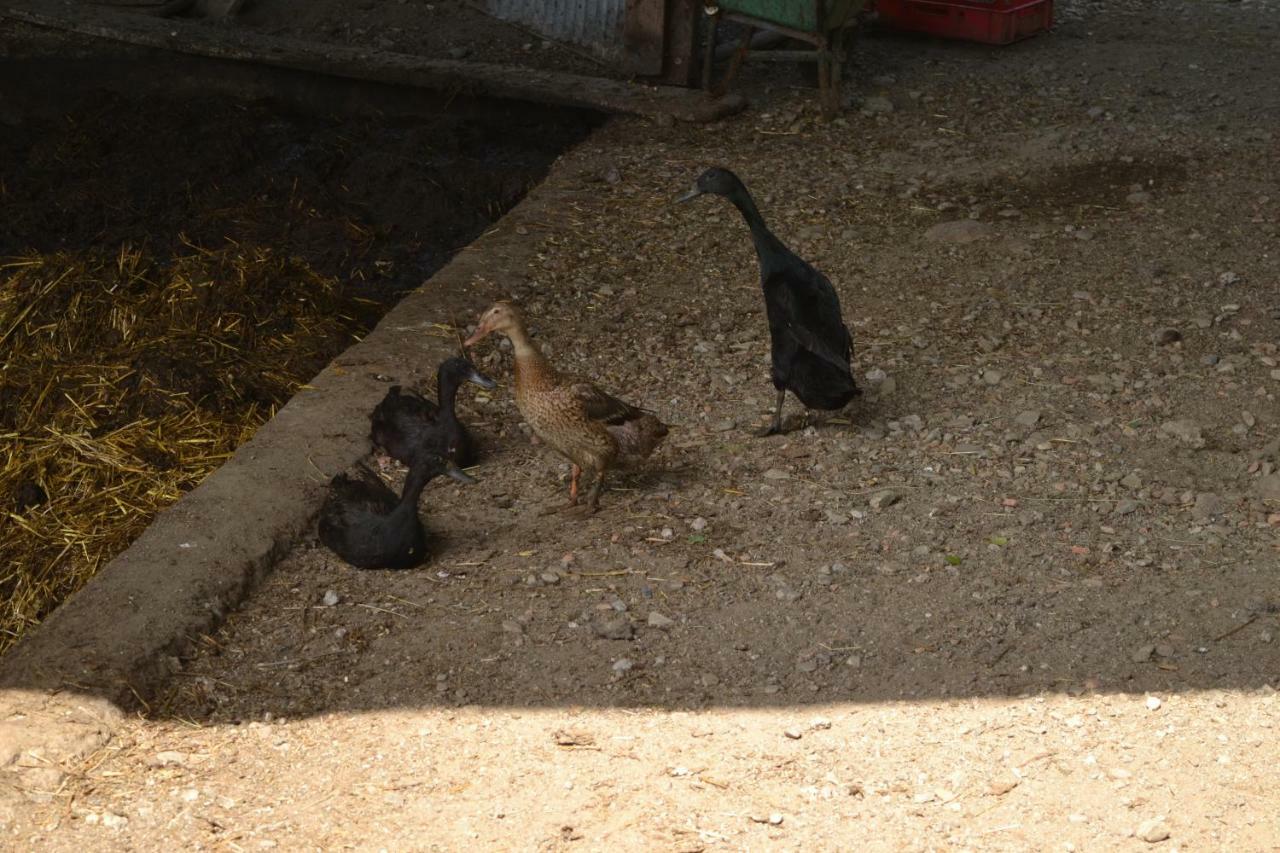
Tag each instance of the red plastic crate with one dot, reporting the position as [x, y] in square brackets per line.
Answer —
[988, 21]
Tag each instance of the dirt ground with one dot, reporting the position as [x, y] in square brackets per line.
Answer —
[1025, 598]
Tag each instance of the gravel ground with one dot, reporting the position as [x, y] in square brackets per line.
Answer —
[1021, 596]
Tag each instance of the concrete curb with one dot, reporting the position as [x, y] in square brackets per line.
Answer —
[63, 688]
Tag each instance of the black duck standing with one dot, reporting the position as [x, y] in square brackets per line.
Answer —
[366, 524]
[811, 345]
[405, 424]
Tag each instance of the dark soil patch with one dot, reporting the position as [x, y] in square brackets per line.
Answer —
[1069, 189]
[381, 203]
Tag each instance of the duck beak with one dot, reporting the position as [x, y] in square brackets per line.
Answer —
[458, 474]
[477, 336]
[690, 195]
[480, 379]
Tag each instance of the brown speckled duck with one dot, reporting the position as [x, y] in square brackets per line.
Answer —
[593, 429]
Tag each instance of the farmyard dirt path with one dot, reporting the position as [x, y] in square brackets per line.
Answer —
[1026, 600]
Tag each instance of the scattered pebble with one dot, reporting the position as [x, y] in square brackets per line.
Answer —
[657, 620]
[1142, 654]
[884, 498]
[877, 104]
[1153, 703]
[330, 598]
[1208, 507]
[1003, 785]
[1185, 430]
[1028, 418]
[169, 759]
[1152, 831]
[788, 594]
[1268, 487]
[612, 626]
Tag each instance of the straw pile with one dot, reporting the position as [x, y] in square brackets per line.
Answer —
[123, 382]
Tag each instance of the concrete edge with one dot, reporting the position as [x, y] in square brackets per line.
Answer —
[65, 688]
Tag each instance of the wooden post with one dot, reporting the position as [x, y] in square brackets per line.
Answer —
[643, 37]
[681, 47]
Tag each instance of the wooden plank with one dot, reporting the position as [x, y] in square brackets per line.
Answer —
[470, 78]
[643, 34]
[679, 59]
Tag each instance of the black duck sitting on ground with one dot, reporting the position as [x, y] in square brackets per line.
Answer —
[366, 524]
[405, 424]
[811, 345]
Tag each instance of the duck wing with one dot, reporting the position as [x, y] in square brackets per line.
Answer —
[601, 406]
[401, 405]
[360, 490]
[399, 422]
[805, 306]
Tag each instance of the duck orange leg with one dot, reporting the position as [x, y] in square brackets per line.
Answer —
[574, 477]
[593, 498]
[592, 504]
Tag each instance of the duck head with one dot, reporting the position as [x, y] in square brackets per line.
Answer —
[433, 466]
[714, 181]
[461, 370]
[503, 318]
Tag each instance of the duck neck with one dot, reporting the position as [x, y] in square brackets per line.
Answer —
[761, 236]
[531, 364]
[419, 475]
[447, 393]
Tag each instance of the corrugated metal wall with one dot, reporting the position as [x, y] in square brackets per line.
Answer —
[594, 24]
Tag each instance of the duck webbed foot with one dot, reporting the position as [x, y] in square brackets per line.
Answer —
[573, 504]
[592, 503]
